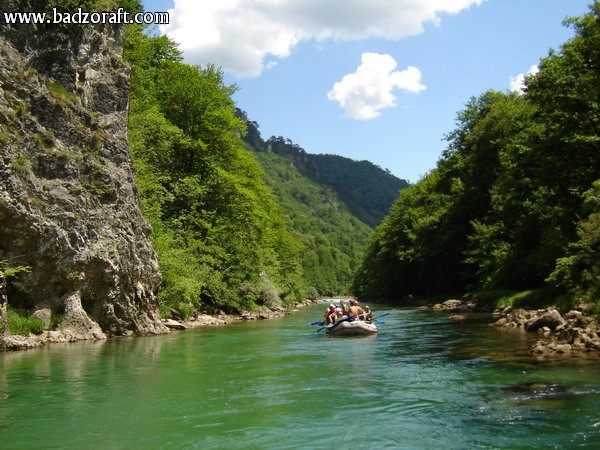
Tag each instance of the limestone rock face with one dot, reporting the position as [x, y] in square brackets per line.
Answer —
[4, 331]
[69, 208]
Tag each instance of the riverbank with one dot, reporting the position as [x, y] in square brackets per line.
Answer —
[573, 334]
[15, 342]
[261, 313]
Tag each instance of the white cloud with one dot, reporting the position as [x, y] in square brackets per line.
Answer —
[364, 93]
[517, 84]
[239, 34]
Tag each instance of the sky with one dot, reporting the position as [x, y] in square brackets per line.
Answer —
[381, 80]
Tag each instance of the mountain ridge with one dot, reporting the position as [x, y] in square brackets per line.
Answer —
[366, 189]
[331, 219]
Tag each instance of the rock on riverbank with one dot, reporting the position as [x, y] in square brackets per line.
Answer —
[454, 305]
[262, 313]
[571, 334]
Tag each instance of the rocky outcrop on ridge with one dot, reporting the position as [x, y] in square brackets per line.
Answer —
[69, 208]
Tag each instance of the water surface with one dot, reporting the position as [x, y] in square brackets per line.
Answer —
[425, 381]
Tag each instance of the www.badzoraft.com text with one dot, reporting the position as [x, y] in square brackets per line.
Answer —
[81, 17]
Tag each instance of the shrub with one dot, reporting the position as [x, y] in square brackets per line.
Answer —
[268, 295]
[61, 93]
[22, 163]
[312, 293]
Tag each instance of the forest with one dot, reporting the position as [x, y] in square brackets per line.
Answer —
[217, 229]
[236, 226]
[511, 212]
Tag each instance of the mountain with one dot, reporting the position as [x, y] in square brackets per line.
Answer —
[366, 189]
[331, 218]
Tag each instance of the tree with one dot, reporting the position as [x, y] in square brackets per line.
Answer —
[579, 271]
[509, 201]
[218, 231]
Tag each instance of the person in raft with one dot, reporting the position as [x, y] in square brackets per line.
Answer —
[344, 308]
[339, 314]
[366, 315]
[335, 312]
[330, 314]
[354, 311]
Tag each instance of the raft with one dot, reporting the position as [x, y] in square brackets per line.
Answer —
[355, 327]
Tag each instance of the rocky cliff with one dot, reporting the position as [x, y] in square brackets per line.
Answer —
[68, 204]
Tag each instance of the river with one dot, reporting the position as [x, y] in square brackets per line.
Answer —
[424, 382]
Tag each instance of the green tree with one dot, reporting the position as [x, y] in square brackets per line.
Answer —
[579, 271]
[508, 203]
[218, 231]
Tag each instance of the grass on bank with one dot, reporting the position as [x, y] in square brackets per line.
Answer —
[24, 325]
[532, 299]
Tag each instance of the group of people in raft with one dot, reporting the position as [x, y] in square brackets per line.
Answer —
[337, 312]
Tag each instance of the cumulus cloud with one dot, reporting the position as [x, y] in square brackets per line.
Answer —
[240, 35]
[517, 83]
[364, 93]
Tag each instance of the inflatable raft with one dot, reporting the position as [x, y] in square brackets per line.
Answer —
[345, 327]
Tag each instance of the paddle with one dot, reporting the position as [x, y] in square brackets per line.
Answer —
[376, 320]
[317, 323]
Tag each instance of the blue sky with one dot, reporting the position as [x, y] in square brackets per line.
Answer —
[380, 80]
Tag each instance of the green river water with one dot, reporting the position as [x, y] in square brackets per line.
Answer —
[424, 382]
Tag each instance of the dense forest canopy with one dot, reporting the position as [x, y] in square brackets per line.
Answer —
[513, 202]
[234, 226]
[217, 228]
[368, 190]
[330, 204]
